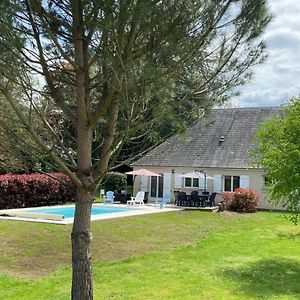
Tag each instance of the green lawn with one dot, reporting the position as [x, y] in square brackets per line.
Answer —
[182, 255]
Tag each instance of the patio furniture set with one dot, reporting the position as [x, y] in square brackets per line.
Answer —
[194, 199]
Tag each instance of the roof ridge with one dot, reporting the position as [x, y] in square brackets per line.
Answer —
[244, 108]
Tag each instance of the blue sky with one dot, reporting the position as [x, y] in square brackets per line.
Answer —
[278, 79]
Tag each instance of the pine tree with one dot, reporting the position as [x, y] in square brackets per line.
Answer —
[120, 73]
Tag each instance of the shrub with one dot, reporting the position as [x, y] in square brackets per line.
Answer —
[242, 200]
[115, 181]
[29, 190]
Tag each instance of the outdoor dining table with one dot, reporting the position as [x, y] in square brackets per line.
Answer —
[200, 202]
[192, 201]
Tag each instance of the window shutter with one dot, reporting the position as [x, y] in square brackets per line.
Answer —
[178, 181]
[244, 181]
[167, 184]
[144, 183]
[217, 183]
[201, 183]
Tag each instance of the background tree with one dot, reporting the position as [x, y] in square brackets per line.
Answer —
[18, 153]
[278, 154]
[120, 73]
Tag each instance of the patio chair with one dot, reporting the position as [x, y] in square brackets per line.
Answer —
[211, 200]
[204, 198]
[138, 199]
[195, 199]
[182, 199]
[109, 197]
[163, 201]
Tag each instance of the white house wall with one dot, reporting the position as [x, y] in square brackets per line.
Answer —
[252, 177]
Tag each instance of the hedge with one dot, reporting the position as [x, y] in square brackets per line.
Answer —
[30, 190]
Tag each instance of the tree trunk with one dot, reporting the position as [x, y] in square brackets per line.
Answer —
[82, 282]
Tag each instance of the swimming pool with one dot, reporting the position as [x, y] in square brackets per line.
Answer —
[65, 214]
[69, 211]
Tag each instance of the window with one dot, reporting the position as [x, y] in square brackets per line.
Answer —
[231, 183]
[191, 182]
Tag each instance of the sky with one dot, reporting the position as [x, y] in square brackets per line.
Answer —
[278, 79]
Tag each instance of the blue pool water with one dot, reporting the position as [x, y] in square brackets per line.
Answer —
[68, 212]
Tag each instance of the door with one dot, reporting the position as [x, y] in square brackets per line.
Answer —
[157, 184]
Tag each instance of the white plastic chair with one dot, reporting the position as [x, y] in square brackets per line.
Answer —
[138, 199]
[109, 198]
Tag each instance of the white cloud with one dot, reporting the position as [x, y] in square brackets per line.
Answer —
[283, 39]
[278, 79]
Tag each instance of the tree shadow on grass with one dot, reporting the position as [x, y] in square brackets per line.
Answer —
[290, 236]
[267, 278]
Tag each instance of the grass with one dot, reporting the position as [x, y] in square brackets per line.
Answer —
[181, 255]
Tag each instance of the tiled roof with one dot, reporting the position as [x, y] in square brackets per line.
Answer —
[200, 146]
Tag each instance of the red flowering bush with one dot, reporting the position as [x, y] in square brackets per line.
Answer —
[30, 190]
[242, 200]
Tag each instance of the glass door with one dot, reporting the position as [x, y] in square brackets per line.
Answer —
[157, 184]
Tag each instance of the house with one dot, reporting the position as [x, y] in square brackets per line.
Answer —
[218, 146]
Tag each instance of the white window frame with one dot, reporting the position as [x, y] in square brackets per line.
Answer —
[193, 185]
[231, 182]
